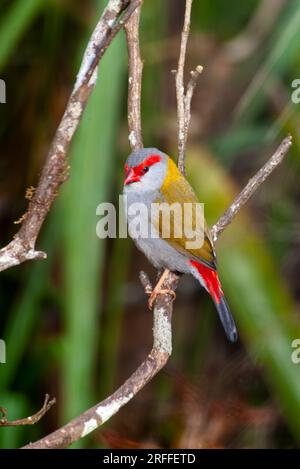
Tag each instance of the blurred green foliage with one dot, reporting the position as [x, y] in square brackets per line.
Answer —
[213, 16]
[280, 59]
[259, 298]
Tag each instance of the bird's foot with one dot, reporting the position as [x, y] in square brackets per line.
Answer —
[160, 291]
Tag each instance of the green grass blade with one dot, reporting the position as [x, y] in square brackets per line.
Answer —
[284, 51]
[23, 317]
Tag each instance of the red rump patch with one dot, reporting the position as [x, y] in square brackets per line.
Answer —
[211, 279]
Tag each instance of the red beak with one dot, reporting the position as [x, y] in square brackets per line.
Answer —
[131, 176]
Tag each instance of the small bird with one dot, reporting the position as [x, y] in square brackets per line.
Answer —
[151, 176]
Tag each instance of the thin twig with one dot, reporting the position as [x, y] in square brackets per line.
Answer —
[184, 99]
[145, 281]
[55, 170]
[180, 92]
[31, 420]
[135, 71]
[187, 102]
[254, 183]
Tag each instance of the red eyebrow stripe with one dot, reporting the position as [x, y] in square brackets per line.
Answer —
[150, 161]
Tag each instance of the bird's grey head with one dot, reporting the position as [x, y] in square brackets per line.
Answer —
[145, 170]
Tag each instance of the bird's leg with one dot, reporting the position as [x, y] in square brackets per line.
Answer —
[160, 291]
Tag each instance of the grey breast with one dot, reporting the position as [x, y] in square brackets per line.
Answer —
[158, 251]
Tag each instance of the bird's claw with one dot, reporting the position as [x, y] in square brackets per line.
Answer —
[160, 291]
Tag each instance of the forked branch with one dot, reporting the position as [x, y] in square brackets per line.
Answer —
[184, 98]
[31, 420]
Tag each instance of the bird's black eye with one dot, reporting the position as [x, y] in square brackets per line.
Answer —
[145, 169]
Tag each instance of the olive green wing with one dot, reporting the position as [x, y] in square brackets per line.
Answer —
[174, 195]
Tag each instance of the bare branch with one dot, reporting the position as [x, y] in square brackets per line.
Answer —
[184, 116]
[162, 314]
[135, 71]
[180, 93]
[56, 169]
[254, 183]
[4, 422]
[100, 413]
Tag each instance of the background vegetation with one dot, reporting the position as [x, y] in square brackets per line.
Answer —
[76, 325]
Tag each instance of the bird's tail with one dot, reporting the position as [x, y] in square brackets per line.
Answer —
[213, 286]
[226, 319]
